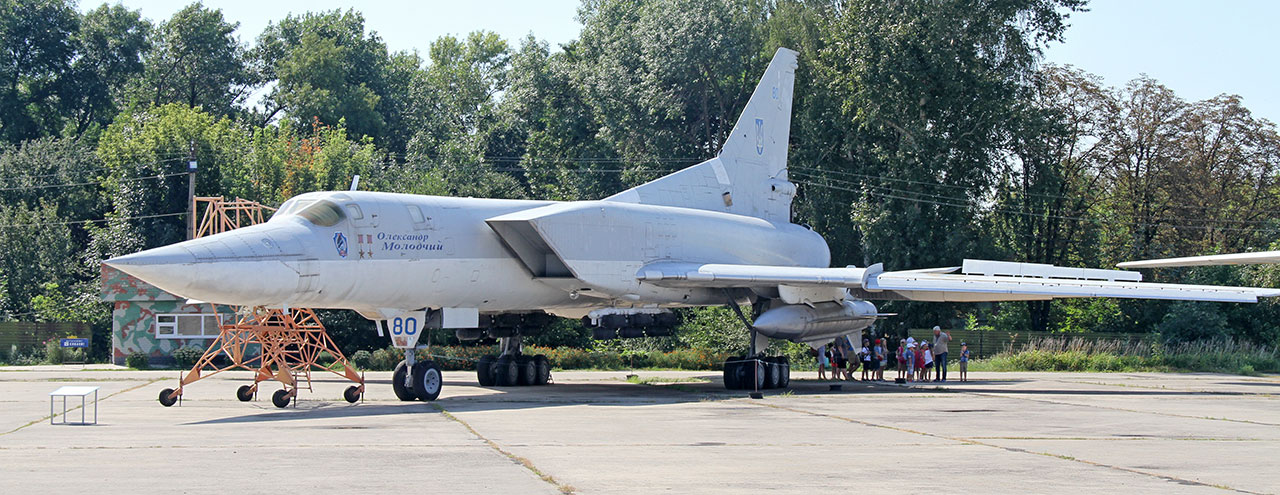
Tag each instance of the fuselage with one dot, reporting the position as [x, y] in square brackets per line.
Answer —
[372, 251]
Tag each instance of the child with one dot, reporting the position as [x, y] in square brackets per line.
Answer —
[909, 356]
[902, 365]
[928, 362]
[823, 359]
[881, 359]
[838, 361]
[919, 360]
[964, 362]
[864, 356]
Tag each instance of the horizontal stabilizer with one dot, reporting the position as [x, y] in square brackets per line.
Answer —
[1262, 257]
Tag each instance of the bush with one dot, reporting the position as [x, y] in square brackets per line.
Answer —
[137, 361]
[1218, 355]
[385, 359]
[54, 353]
[362, 359]
[325, 359]
[186, 357]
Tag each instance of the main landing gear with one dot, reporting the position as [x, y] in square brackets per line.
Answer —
[757, 373]
[512, 368]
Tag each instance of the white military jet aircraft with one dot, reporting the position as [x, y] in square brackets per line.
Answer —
[716, 233]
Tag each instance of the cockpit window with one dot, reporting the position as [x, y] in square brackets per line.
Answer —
[323, 213]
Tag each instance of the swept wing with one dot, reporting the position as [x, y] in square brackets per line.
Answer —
[974, 281]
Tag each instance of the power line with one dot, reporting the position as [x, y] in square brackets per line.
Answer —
[75, 184]
[79, 222]
[955, 199]
[965, 188]
[1061, 217]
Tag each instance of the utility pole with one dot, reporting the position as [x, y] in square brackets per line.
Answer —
[191, 193]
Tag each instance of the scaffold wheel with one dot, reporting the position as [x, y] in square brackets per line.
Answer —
[280, 398]
[352, 394]
[168, 398]
[245, 393]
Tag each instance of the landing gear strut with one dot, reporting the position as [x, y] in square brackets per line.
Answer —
[755, 371]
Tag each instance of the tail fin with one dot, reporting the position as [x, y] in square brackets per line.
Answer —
[749, 176]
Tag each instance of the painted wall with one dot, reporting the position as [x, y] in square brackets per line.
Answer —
[133, 318]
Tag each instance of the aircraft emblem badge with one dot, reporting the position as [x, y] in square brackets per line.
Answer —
[340, 242]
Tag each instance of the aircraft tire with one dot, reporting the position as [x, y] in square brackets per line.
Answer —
[244, 393]
[351, 394]
[166, 398]
[772, 372]
[543, 365]
[751, 375]
[527, 371]
[731, 373]
[505, 372]
[427, 380]
[484, 371]
[281, 398]
[784, 378]
[397, 383]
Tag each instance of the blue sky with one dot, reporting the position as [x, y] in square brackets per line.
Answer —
[1199, 48]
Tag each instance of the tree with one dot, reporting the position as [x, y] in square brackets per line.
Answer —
[197, 61]
[329, 68]
[110, 46]
[927, 89]
[1047, 192]
[666, 78]
[35, 50]
[145, 156]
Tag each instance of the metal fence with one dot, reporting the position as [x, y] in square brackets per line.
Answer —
[25, 334]
[987, 343]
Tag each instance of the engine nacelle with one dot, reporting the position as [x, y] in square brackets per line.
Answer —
[804, 323]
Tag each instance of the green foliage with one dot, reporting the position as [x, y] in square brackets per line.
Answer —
[196, 61]
[54, 353]
[1218, 355]
[362, 359]
[137, 361]
[716, 329]
[186, 356]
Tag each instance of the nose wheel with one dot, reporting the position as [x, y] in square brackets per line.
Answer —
[422, 381]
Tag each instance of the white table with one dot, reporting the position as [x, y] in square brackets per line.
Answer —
[74, 391]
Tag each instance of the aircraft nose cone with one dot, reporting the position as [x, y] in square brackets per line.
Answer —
[173, 254]
[239, 268]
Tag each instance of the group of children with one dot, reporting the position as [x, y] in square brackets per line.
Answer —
[844, 359]
[915, 360]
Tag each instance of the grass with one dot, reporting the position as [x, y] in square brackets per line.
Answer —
[1060, 354]
[648, 380]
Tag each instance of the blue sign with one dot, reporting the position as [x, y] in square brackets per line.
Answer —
[80, 343]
